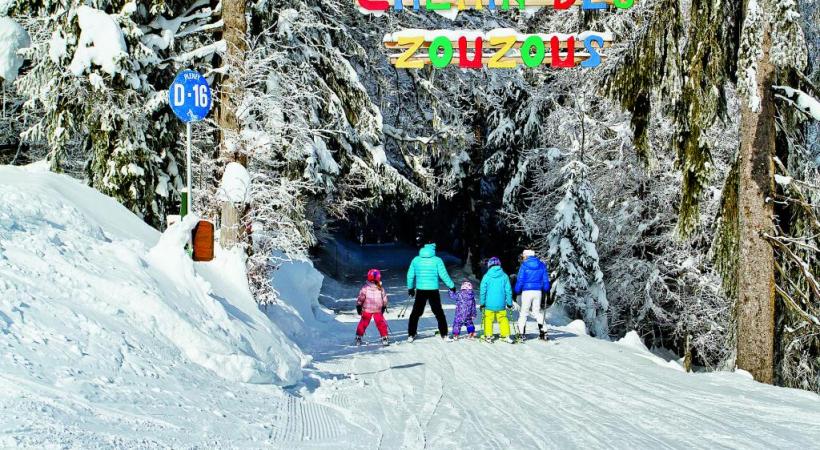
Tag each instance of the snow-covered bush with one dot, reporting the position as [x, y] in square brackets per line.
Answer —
[13, 38]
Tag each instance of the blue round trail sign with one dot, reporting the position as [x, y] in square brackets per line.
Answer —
[190, 96]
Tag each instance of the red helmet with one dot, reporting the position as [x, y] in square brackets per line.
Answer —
[374, 275]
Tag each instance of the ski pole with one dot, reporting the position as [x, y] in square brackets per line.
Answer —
[387, 322]
[514, 327]
[404, 310]
[483, 330]
[518, 333]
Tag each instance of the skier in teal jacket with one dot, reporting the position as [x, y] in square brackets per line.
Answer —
[423, 276]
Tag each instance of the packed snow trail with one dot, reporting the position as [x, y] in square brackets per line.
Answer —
[111, 338]
[572, 392]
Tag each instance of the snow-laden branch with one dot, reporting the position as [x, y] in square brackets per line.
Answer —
[401, 135]
[804, 102]
[200, 28]
[219, 46]
[161, 23]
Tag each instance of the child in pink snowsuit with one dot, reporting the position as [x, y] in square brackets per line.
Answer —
[371, 304]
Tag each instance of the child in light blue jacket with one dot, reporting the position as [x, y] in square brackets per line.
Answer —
[495, 299]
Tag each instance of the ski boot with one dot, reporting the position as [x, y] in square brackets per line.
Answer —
[385, 341]
[471, 336]
[455, 337]
[410, 339]
[509, 340]
[358, 341]
[488, 339]
[542, 333]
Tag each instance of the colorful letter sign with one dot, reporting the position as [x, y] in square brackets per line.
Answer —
[499, 48]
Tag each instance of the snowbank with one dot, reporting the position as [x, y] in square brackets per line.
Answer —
[633, 340]
[576, 327]
[86, 284]
[12, 38]
[298, 312]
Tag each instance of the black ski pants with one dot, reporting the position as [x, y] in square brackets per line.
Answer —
[422, 297]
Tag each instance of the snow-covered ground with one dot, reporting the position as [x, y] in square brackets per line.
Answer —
[110, 337]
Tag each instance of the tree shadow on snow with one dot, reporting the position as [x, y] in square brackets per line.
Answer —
[314, 378]
[561, 335]
[400, 366]
[343, 351]
[553, 335]
[234, 311]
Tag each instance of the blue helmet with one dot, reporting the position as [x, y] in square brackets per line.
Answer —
[494, 261]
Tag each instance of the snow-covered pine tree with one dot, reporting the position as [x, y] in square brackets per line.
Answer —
[656, 284]
[99, 84]
[313, 136]
[578, 283]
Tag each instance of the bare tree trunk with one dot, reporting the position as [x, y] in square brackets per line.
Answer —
[234, 31]
[755, 278]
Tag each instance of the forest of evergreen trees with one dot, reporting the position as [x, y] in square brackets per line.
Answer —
[675, 187]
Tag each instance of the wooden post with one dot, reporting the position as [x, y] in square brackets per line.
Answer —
[230, 93]
[230, 231]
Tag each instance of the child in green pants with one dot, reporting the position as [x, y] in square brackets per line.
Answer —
[496, 297]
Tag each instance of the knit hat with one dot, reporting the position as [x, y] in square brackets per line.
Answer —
[466, 286]
[494, 261]
[528, 253]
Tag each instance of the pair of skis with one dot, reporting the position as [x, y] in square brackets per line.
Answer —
[362, 343]
[521, 337]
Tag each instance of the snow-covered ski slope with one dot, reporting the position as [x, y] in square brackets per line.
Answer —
[110, 339]
[575, 392]
[111, 336]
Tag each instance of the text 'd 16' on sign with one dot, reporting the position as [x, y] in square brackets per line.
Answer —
[190, 96]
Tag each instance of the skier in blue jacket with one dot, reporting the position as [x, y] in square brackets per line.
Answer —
[495, 299]
[422, 283]
[533, 280]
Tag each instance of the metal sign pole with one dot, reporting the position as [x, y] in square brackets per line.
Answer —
[188, 169]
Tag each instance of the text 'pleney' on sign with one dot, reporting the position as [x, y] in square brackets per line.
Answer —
[501, 48]
[503, 5]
